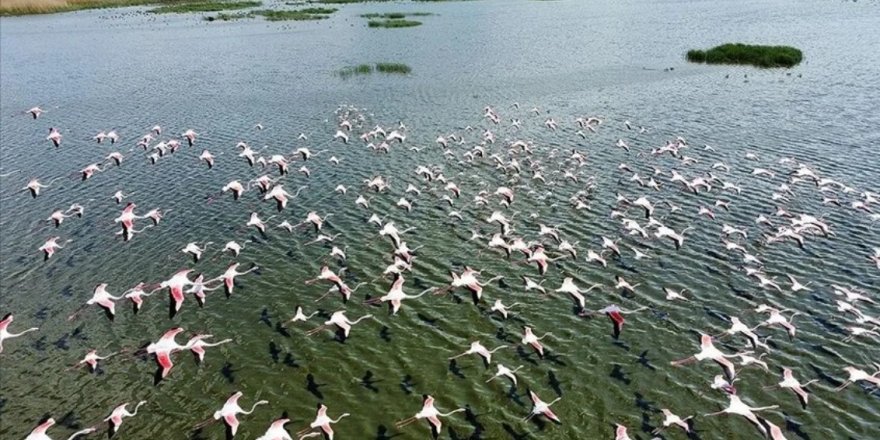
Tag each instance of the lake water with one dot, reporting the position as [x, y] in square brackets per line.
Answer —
[125, 70]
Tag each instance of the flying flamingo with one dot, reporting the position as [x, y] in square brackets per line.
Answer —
[507, 372]
[395, 296]
[276, 431]
[175, 287]
[328, 275]
[431, 413]
[529, 338]
[49, 247]
[615, 314]
[164, 348]
[229, 412]
[228, 277]
[568, 286]
[736, 406]
[54, 136]
[539, 407]
[468, 279]
[35, 112]
[501, 308]
[299, 316]
[4, 330]
[855, 375]
[136, 294]
[708, 351]
[342, 322]
[34, 186]
[789, 381]
[91, 359]
[672, 419]
[323, 422]
[478, 349]
[620, 432]
[120, 412]
[197, 345]
[199, 288]
[102, 298]
[39, 433]
[193, 249]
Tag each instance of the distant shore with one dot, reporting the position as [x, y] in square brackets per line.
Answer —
[34, 7]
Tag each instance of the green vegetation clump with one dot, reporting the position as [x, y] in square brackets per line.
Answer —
[395, 15]
[755, 55]
[297, 15]
[223, 16]
[205, 6]
[393, 68]
[366, 69]
[393, 23]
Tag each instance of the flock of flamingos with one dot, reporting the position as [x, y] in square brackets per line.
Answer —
[501, 222]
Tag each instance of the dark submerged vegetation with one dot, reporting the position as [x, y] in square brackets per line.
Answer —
[755, 55]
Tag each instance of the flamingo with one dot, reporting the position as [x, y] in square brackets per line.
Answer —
[102, 298]
[540, 408]
[855, 375]
[6, 334]
[789, 381]
[736, 406]
[529, 338]
[323, 422]
[671, 419]
[276, 431]
[395, 296]
[300, 316]
[54, 136]
[39, 433]
[229, 412]
[615, 314]
[478, 349]
[164, 348]
[135, 294]
[507, 372]
[429, 412]
[708, 351]
[342, 322]
[50, 247]
[193, 249]
[228, 277]
[120, 412]
[175, 287]
[35, 112]
[197, 345]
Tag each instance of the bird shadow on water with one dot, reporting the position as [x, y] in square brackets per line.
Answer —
[368, 381]
[455, 370]
[471, 417]
[228, 372]
[514, 435]
[382, 433]
[554, 383]
[795, 428]
[645, 362]
[281, 330]
[264, 317]
[385, 333]
[407, 384]
[620, 375]
[313, 387]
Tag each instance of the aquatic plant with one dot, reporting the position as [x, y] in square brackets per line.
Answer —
[393, 68]
[394, 23]
[205, 6]
[296, 15]
[396, 15]
[223, 16]
[755, 55]
[366, 69]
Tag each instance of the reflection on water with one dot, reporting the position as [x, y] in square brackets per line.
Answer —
[127, 71]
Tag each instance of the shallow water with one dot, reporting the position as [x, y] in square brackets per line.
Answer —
[125, 70]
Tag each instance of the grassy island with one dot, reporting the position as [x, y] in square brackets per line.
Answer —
[755, 55]
[366, 69]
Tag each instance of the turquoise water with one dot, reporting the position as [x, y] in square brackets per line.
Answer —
[127, 71]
